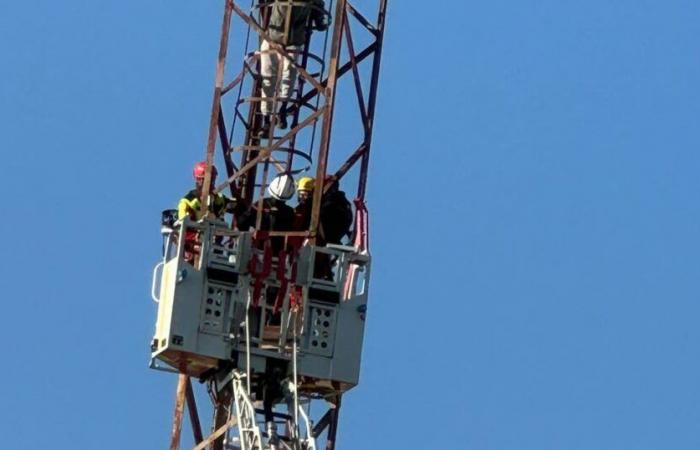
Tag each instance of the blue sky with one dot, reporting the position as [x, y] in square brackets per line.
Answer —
[534, 222]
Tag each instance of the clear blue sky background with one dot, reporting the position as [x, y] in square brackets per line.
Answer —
[535, 222]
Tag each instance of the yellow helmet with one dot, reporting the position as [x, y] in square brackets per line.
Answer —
[305, 184]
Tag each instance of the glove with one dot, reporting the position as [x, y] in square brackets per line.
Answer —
[322, 24]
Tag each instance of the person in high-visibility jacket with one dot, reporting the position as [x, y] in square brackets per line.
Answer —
[191, 204]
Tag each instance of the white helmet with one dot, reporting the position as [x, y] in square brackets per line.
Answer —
[282, 187]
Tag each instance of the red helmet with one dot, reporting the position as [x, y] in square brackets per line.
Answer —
[200, 169]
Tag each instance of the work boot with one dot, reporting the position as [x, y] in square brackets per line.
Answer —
[282, 124]
[264, 129]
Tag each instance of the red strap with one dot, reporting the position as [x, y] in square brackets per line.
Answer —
[295, 297]
[361, 226]
[281, 272]
[361, 241]
[260, 276]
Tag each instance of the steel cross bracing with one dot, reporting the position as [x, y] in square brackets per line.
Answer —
[307, 143]
[349, 52]
[229, 418]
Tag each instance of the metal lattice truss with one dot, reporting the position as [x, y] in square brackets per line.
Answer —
[305, 147]
[349, 50]
[235, 413]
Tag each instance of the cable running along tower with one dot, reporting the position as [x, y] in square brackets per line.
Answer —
[272, 321]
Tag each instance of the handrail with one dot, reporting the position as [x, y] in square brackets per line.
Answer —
[153, 282]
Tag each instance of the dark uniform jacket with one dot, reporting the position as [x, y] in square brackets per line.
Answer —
[302, 216]
[276, 216]
[336, 217]
[298, 21]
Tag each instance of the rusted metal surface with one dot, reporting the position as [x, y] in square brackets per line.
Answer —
[194, 414]
[345, 68]
[362, 19]
[256, 152]
[273, 45]
[322, 424]
[372, 103]
[216, 102]
[327, 125]
[333, 425]
[179, 412]
[222, 422]
[247, 157]
[265, 152]
[355, 72]
[350, 162]
[216, 435]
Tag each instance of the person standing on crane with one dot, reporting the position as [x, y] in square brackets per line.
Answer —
[288, 29]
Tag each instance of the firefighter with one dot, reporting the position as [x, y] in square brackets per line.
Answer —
[292, 37]
[302, 212]
[335, 220]
[336, 214]
[191, 206]
[276, 214]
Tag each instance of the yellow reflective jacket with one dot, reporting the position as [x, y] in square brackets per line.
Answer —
[190, 205]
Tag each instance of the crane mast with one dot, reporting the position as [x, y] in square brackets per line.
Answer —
[271, 320]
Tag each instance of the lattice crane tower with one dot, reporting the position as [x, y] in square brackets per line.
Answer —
[272, 320]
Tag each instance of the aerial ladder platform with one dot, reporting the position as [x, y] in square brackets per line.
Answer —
[271, 321]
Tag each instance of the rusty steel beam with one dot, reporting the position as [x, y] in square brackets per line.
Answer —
[234, 83]
[345, 68]
[356, 73]
[254, 152]
[221, 420]
[300, 89]
[226, 149]
[362, 19]
[194, 415]
[333, 425]
[275, 46]
[247, 183]
[327, 124]
[350, 162]
[216, 434]
[216, 102]
[265, 152]
[179, 412]
[322, 424]
[372, 103]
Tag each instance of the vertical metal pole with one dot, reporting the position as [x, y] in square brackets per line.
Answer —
[216, 102]
[179, 411]
[247, 182]
[381, 21]
[333, 426]
[300, 89]
[327, 116]
[194, 415]
[221, 414]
